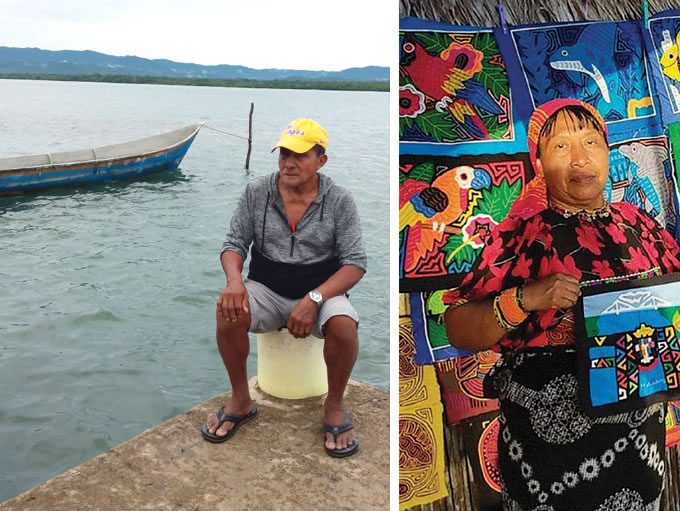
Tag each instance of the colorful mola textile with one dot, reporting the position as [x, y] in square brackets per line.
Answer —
[421, 430]
[447, 208]
[452, 87]
[480, 443]
[673, 424]
[674, 134]
[601, 63]
[461, 380]
[629, 347]
[641, 172]
[431, 341]
[661, 42]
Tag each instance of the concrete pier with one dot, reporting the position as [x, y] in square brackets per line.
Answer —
[274, 462]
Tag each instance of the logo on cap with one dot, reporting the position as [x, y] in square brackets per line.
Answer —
[291, 131]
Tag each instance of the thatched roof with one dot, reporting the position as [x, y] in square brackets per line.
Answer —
[483, 12]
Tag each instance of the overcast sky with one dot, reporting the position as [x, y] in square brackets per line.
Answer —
[293, 34]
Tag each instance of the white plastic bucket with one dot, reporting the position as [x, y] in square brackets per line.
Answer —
[290, 368]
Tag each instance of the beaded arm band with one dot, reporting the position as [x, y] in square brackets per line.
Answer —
[520, 298]
[508, 309]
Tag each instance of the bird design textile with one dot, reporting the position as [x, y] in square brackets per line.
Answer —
[447, 208]
[452, 88]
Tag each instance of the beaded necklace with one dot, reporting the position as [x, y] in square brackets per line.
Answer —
[583, 214]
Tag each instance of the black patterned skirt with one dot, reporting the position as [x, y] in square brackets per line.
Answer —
[552, 457]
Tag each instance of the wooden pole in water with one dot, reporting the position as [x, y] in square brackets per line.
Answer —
[250, 135]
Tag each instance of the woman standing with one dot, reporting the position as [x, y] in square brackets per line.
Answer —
[520, 298]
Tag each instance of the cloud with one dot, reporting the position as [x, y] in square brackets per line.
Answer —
[300, 34]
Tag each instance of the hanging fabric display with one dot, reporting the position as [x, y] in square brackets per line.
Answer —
[421, 430]
[465, 97]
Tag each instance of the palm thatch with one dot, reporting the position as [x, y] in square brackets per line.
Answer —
[483, 12]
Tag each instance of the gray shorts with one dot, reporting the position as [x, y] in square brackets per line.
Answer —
[270, 311]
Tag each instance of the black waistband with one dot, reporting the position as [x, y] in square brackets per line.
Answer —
[288, 279]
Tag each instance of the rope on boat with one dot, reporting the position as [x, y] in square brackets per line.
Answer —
[224, 132]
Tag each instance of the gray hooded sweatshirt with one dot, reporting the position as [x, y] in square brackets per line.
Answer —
[327, 236]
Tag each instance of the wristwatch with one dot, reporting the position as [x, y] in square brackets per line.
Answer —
[316, 297]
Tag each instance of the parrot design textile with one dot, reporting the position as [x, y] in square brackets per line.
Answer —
[447, 79]
[428, 209]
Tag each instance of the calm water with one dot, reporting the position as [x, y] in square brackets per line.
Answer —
[107, 292]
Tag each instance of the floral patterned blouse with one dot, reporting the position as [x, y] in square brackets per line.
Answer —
[617, 242]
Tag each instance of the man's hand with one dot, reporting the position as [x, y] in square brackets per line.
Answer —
[302, 318]
[233, 301]
[558, 291]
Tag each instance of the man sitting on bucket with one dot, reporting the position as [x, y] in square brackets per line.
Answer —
[306, 251]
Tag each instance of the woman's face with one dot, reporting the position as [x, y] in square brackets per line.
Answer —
[575, 163]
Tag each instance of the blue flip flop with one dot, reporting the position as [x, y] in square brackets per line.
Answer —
[226, 417]
[337, 430]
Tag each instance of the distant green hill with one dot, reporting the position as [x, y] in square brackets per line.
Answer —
[22, 61]
[259, 84]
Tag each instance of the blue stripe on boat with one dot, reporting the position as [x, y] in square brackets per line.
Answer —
[13, 180]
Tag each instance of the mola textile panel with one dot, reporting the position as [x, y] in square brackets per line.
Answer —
[480, 443]
[447, 208]
[673, 424]
[628, 346]
[422, 475]
[461, 381]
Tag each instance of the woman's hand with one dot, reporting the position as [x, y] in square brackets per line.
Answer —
[559, 291]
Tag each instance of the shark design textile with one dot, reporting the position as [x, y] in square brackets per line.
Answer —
[629, 355]
[641, 172]
[601, 63]
[422, 476]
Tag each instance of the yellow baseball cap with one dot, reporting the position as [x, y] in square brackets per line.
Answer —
[301, 135]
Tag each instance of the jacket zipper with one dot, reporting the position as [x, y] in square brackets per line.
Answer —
[292, 239]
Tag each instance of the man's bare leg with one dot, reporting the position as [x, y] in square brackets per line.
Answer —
[340, 352]
[234, 346]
